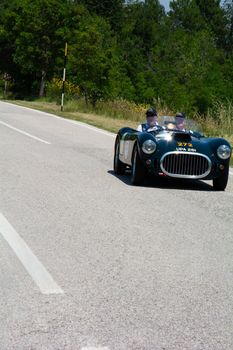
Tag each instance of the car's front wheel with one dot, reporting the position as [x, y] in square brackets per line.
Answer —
[220, 183]
[138, 172]
[118, 166]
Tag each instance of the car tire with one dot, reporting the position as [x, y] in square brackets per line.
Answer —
[118, 166]
[138, 171]
[220, 183]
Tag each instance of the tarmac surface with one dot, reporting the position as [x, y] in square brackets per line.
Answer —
[88, 261]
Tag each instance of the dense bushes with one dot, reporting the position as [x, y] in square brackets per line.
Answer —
[121, 50]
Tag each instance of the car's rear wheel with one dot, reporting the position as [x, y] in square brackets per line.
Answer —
[138, 172]
[220, 183]
[118, 166]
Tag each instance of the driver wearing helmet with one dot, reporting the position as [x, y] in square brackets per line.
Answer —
[151, 121]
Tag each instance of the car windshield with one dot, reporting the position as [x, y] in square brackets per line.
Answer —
[169, 122]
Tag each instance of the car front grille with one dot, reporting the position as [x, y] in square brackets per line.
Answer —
[185, 165]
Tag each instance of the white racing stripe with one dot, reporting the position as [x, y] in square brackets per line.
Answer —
[24, 133]
[34, 267]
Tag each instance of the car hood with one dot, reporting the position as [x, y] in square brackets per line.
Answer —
[186, 142]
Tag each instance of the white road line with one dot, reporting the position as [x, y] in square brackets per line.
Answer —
[231, 172]
[71, 121]
[34, 267]
[95, 348]
[87, 126]
[84, 125]
[24, 133]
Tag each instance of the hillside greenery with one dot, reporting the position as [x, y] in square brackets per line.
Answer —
[120, 51]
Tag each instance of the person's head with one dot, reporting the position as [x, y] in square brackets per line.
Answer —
[151, 116]
[180, 120]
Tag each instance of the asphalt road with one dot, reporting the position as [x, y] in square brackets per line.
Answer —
[89, 262]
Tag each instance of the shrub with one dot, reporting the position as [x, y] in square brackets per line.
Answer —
[54, 90]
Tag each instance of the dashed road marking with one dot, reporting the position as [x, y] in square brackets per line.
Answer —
[24, 133]
[34, 267]
[75, 122]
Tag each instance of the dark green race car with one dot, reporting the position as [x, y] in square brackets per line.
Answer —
[167, 151]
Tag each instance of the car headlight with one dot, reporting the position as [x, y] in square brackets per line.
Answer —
[224, 152]
[149, 147]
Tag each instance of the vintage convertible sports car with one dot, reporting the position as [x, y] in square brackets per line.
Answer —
[169, 152]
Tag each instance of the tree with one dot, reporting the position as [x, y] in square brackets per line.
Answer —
[228, 7]
[109, 9]
[213, 14]
[33, 43]
[188, 73]
[130, 49]
[197, 15]
[185, 14]
[8, 17]
[39, 40]
[91, 57]
[140, 33]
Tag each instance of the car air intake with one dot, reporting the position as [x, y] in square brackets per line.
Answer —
[178, 136]
[185, 165]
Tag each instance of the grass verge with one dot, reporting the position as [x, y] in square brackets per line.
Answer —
[101, 121]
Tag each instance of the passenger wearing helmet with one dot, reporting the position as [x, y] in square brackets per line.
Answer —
[180, 124]
[180, 121]
[151, 121]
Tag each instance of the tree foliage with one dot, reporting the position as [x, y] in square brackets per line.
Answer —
[132, 50]
[91, 58]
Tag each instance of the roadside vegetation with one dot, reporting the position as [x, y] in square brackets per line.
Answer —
[122, 57]
[130, 50]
